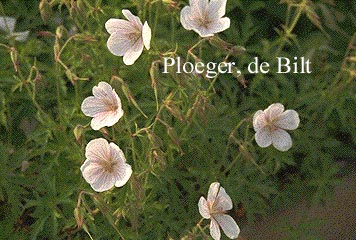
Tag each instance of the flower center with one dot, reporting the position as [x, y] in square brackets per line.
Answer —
[108, 166]
[215, 211]
[271, 123]
[110, 105]
[204, 20]
[134, 36]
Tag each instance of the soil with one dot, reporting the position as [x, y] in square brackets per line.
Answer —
[337, 217]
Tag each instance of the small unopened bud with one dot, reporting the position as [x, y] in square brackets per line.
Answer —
[155, 140]
[14, 59]
[81, 7]
[104, 131]
[78, 217]
[45, 34]
[78, 132]
[219, 43]
[60, 31]
[237, 50]
[45, 10]
[171, 4]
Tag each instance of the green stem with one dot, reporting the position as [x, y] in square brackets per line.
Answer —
[194, 46]
[58, 93]
[173, 28]
[217, 75]
[290, 28]
[157, 13]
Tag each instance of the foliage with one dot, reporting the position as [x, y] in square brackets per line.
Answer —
[179, 132]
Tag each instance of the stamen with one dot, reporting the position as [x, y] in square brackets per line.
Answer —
[108, 165]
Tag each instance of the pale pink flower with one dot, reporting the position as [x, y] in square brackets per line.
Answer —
[7, 24]
[270, 126]
[205, 17]
[104, 107]
[105, 165]
[127, 38]
[214, 208]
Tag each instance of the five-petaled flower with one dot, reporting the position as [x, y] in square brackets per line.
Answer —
[7, 24]
[204, 17]
[270, 126]
[214, 208]
[105, 165]
[104, 106]
[127, 38]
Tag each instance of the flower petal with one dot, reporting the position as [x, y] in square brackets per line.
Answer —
[219, 26]
[288, 120]
[21, 36]
[91, 170]
[214, 230]
[203, 31]
[274, 110]
[213, 192]
[132, 18]
[203, 208]
[7, 24]
[119, 25]
[124, 174]
[223, 201]
[185, 18]
[98, 150]
[106, 119]
[92, 106]
[217, 8]
[199, 8]
[105, 92]
[106, 87]
[146, 35]
[119, 43]
[263, 137]
[259, 120]
[116, 153]
[123, 171]
[103, 183]
[134, 52]
[281, 140]
[228, 225]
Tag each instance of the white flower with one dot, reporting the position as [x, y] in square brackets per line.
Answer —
[270, 126]
[214, 208]
[204, 17]
[127, 38]
[104, 106]
[105, 165]
[7, 24]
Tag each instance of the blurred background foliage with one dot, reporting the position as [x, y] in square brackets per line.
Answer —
[179, 132]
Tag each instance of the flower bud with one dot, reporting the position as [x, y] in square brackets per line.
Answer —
[45, 10]
[78, 132]
[14, 58]
[78, 217]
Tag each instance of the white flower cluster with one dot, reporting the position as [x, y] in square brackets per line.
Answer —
[128, 37]
[105, 165]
